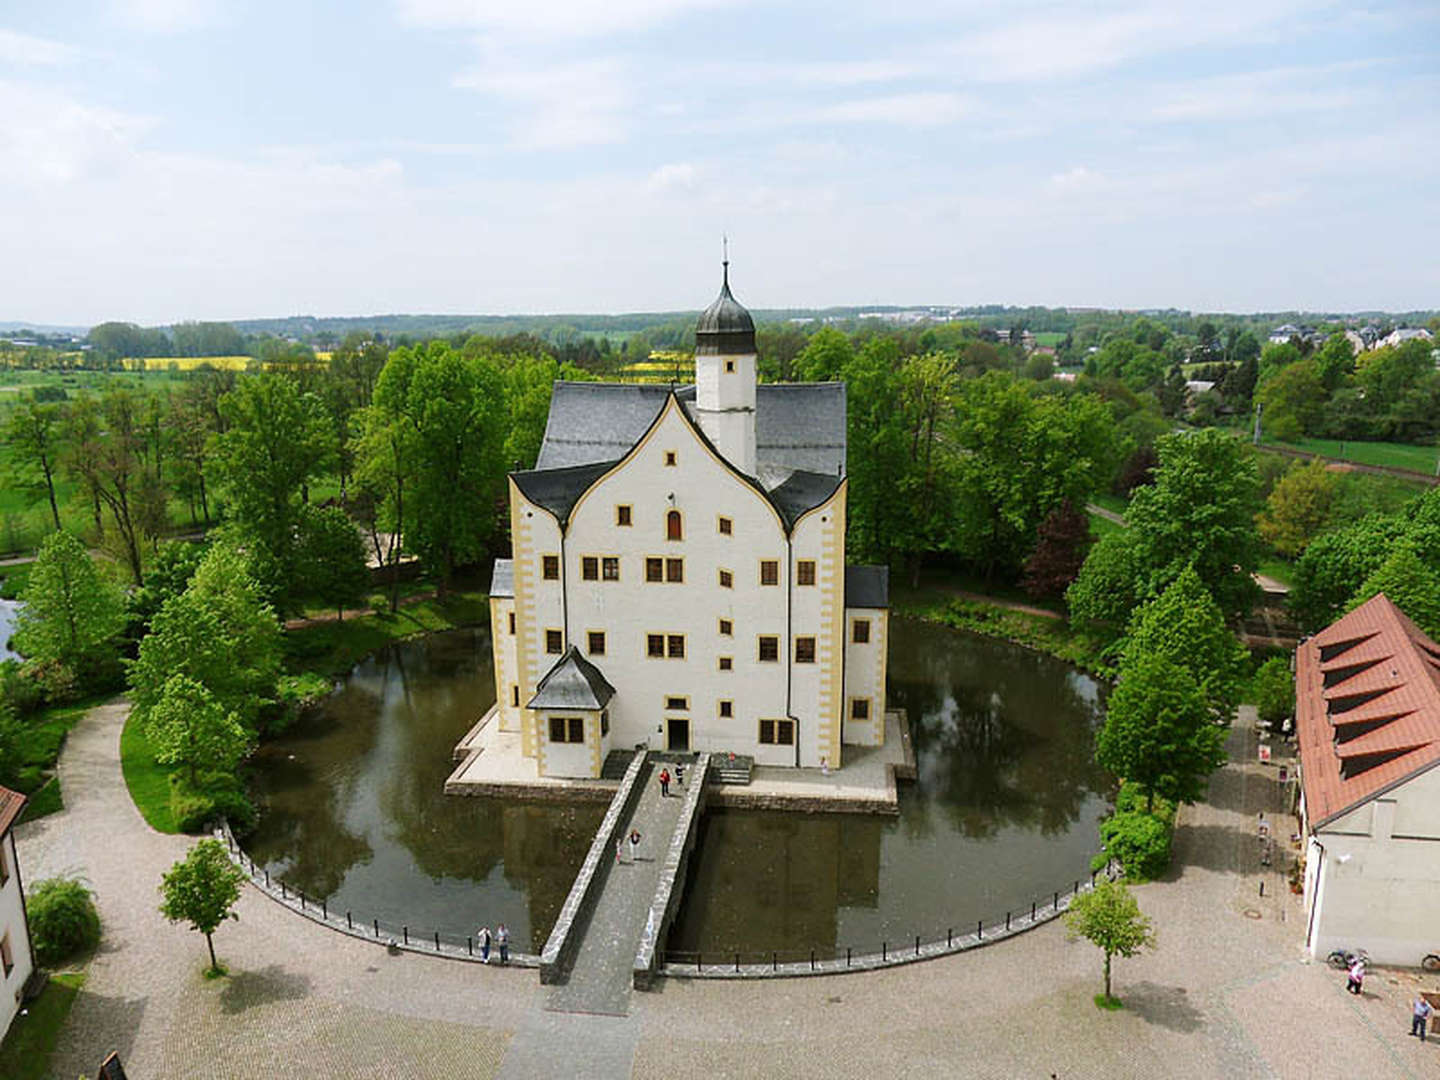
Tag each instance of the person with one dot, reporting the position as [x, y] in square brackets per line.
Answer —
[1422, 1010]
[664, 783]
[483, 936]
[502, 942]
[824, 766]
[619, 849]
[634, 844]
[679, 774]
[1357, 977]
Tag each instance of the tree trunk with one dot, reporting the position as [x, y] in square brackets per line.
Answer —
[214, 964]
[50, 490]
[1107, 975]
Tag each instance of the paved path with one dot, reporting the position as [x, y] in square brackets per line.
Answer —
[600, 978]
[1224, 994]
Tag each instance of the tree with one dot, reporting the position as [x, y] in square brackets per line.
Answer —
[1299, 506]
[1336, 564]
[202, 889]
[1335, 360]
[72, 613]
[825, 358]
[275, 442]
[1409, 584]
[385, 448]
[1294, 399]
[1184, 625]
[34, 436]
[1158, 731]
[1062, 543]
[332, 558]
[1109, 917]
[188, 727]
[1200, 511]
[1104, 594]
[218, 632]
[1274, 690]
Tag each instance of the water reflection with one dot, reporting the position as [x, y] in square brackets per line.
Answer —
[354, 810]
[1004, 812]
[9, 614]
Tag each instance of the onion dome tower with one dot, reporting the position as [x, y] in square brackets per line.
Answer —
[725, 376]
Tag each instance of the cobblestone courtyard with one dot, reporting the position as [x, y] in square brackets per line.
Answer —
[1226, 994]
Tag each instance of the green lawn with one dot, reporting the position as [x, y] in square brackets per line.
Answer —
[1393, 455]
[41, 737]
[333, 648]
[45, 801]
[1116, 504]
[1282, 570]
[1103, 526]
[25, 1054]
[16, 578]
[149, 782]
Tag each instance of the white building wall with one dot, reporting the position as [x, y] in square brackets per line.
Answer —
[1378, 882]
[571, 759]
[539, 605]
[507, 669]
[12, 922]
[865, 675]
[818, 611]
[725, 406]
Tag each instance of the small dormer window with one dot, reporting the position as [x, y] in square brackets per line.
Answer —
[670, 457]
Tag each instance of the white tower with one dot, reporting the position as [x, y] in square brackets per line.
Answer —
[725, 377]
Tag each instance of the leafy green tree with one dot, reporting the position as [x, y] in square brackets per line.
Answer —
[34, 435]
[170, 571]
[218, 632]
[72, 613]
[1411, 585]
[202, 889]
[1335, 360]
[1294, 399]
[276, 441]
[1104, 593]
[1109, 917]
[188, 727]
[1299, 506]
[385, 448]
[1336, 564]
[825, 358]
[1200, 511]
[1274, 690]
[63, 920]
[332, 558]
[1159, 732]
[1184, 625]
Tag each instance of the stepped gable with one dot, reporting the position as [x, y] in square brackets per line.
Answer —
[1367, 708]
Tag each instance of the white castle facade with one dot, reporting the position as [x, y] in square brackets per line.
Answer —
[678, 578]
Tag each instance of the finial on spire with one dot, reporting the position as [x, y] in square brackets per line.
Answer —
[725, 258]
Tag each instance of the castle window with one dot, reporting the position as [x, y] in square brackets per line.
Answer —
[777, 732]
[675, 646]
[804, 650]
[590, 568]
[860, 708]
[769, 572]
[514, 695]
[727, 709]
[677, 704]
[655, 646]
[622, 515]
[860, 632]
[726, 526]
[674, 526]
[670, 457]
[550, 567]
[769, 651]
[610, 569]
[553, 641]
[730, 367]
[805, 572]
[727, 663]
[727, 579]
[654, 569]
[727, 627]
[567, 729]
[512, 622]
[605, 722]
[675, 570]
[596, 642]
[7, 958]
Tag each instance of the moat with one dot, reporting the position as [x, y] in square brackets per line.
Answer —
[1004, 810]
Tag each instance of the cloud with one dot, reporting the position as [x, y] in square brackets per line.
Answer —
[1259, 93]
[49, 138]
[19, 49]
[918, 110]
[562, 105]
[680, 174]
[1078, 178]
[576, 18]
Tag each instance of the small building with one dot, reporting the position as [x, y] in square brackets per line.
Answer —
[1367, 718]
[678, 578]
[1408, 333]
[17, 961]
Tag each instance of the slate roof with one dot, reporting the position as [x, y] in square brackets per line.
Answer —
[558, 490]
[502, 578]
[1367, 708]
[573, 683]
[797, 425]
[11, 803]
[867, 586]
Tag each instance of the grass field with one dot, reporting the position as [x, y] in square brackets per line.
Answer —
[333, 648]
[1049, 337]
[149, 782]
[41, 738]
[25, 1054]
[1392, 455]
[1103, 526]
[1116, 504]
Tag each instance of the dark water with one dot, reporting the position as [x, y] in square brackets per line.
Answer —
[1004, 811]
[353, 808]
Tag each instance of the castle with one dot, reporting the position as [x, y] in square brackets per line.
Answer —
[678, 578]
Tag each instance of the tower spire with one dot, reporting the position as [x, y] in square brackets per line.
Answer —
[725, 258]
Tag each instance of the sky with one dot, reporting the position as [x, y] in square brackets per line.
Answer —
[163, 160]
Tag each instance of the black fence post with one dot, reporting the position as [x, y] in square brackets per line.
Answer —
[737, 963]
[1075, 891]
[377, 926]
[406, 931]
[884, 952]
[325, 909]
[774, 961]
[302, 899]
[437, 940]
[917, 944]
[267, 878]
[469, 947]
[1092, 878]
[979, 929]
[1056, 904]
[1007, 921]
[812, 959]
[1032, 910]
[699, 961]
[284, 893]
[349, 924]
[950, 938]
[847, 956]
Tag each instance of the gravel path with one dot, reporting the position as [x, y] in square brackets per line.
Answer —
[1225, 994]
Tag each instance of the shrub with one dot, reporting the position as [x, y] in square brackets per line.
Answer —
[214, 796]
[63, 920]
[1138, 841]
[1274, 690]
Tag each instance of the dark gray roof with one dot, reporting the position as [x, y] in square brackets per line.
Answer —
[502, 578]
[725, 327]
[797, 425]
[573, 683]
[557, 490]
[800, 491]
[867, 586]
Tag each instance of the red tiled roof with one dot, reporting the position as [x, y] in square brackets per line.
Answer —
[11, 803]
[1384, 676]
